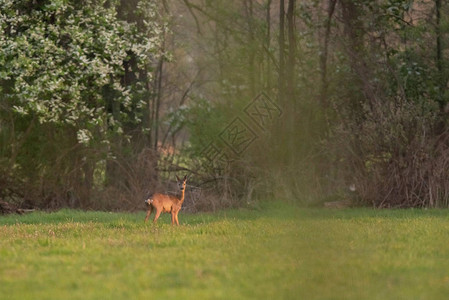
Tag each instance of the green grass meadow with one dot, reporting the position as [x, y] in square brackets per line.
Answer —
[274, 251]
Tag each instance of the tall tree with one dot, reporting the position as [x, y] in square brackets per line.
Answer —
[281, 72]
[291, 70]
[268, 46]
[324, 54]
[70, 68]
[439, 50]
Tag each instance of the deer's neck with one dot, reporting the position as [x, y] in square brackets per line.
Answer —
[181, 199]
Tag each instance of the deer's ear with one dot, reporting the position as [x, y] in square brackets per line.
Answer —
[177, 178]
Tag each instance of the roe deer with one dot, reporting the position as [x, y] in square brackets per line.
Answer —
[167, 203]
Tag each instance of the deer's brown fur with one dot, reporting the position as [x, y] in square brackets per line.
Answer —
[166, 203]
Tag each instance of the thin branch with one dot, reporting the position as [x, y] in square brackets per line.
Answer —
[189, 7]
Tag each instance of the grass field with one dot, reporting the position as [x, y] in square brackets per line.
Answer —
[273, 252]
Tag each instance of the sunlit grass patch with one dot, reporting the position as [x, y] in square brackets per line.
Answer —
[274, 252]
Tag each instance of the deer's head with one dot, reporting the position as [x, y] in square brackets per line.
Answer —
[182, 182]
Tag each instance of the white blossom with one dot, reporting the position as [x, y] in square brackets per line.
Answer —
[83, 136]
[59, 69]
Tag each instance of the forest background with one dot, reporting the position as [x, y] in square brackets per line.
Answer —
[103, 101]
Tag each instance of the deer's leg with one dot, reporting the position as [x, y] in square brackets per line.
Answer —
[176, 218]
[150, 209]
[173, 216]
[158, 213]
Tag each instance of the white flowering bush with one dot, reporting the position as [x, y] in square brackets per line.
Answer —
[63, 62]
[75, 89]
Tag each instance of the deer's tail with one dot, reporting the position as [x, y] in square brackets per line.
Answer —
[149, 199]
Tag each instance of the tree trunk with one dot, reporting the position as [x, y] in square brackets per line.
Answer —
[268, 41]
[353, 30]
[88, 182]
[290, 99]
[290, 70]
[324, 55]
[439, 56]
[251, 48]
[158, 98]
[281, 83]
